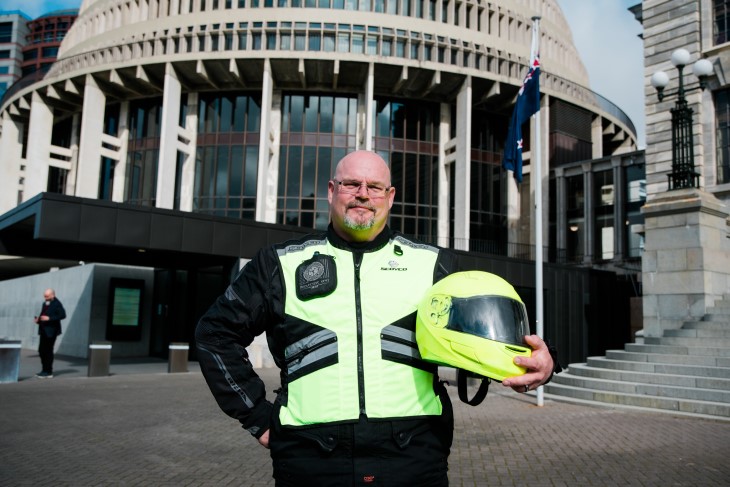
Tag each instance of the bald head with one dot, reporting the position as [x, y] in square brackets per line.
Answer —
[363, 161]
[360, 215]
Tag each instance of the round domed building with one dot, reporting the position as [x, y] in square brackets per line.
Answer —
[241, 108]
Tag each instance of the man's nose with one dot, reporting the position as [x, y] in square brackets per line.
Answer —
[362, 191]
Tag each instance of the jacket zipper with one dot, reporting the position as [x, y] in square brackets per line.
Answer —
[305, 351]
[357, 256]
[395, 339]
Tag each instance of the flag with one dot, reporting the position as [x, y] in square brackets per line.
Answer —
[528, 103]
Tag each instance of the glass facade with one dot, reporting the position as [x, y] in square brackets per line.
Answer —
[316, 132]
[226, 163]
[721, 25]
[488, 218]
[143, 151]
[106, 176]
[635, 199]
[722, 126]
[603, 204]
[576, 217]
[406, 136]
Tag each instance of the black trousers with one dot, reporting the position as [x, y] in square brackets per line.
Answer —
[45, 350]
[403, 453]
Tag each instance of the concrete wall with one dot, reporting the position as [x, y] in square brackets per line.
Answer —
[84, 292]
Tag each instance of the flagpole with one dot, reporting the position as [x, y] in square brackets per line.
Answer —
[537, 179]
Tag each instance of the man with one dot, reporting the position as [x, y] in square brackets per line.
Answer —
[49, 327]
[356, 406]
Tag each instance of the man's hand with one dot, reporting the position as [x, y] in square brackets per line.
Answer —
[539, 367]
[264, 439]
[44, 318]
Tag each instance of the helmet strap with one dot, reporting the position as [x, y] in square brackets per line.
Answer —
[461, 376]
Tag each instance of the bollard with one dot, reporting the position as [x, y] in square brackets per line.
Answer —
[99, 357]
[9, 360]
[178, 358]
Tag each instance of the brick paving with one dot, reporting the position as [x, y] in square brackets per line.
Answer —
[144, 427]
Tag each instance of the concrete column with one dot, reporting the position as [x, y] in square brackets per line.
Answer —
[167, 163]
[11, 149]
[40, 128]
[588, 214]
[369, 108]
[92, 128]
[561, 209]
[597, 138]
[619, 215]
[443, 177]
[686, 261]
[268, 170]
[120, 170]
[75, 139]
[462, 171]
[187, 185]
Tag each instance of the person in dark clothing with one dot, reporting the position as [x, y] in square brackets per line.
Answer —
[357, 404]
[49, 327]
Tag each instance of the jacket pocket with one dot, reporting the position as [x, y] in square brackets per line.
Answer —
[398, 344]
[310, 354]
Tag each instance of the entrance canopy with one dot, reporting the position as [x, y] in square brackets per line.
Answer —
[67, 228]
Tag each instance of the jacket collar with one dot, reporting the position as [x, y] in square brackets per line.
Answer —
[377, 243]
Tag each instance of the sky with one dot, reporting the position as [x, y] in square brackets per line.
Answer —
[604, 32]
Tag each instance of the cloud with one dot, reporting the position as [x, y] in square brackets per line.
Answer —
[606, 36]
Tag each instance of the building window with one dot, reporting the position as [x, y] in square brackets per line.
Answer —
[6, 31]
[635, 199]
[722, 125]
[226, 166]
[57, 180]
[603, 202]
[50, 51]
[576, 217]
[143, 151]
[316, 132]
[406, 135]
[106, 176]
[721, 11]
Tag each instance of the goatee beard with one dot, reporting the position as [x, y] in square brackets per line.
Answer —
[353, 225]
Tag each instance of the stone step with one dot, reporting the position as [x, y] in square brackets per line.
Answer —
[689, 342]
[705, 325]
[658, 368]
[664, 358]
[644, 389]
[584, 370]
[719, 317]
[678, 349]
[664, 403]
[699, 333]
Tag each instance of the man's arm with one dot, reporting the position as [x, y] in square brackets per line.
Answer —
[245, 310]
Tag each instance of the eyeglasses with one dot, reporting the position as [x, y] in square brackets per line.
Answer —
[374, 190]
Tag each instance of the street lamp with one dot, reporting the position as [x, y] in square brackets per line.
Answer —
[683, 173]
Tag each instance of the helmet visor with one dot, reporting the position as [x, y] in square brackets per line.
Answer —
[493, 317]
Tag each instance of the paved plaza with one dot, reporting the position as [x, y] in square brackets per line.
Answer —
[144, 427]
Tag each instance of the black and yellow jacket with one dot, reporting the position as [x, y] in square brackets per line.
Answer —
[340, 323]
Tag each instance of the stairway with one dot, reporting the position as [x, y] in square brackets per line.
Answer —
[687, 370]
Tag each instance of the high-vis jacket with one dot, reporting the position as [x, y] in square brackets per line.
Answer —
[340, 323]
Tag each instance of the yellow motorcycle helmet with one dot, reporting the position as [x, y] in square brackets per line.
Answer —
[474, 321]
